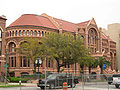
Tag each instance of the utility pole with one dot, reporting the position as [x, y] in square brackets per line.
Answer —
[45, 74]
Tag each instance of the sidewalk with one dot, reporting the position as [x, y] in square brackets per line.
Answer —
[25, 84]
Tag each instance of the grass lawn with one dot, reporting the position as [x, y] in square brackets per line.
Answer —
[2, 86]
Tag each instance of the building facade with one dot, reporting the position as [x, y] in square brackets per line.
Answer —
[113, 32]
[37, 26]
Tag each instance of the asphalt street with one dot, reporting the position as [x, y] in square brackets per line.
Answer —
[78, 87]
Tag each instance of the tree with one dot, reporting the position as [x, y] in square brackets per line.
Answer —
[64, 49]
[86, 61]
[100, 61]
[30, 48]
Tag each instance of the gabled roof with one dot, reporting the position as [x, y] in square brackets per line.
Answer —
[83, 24]
[47, 21]
[103, 36]
[32, 19]
[68, 26]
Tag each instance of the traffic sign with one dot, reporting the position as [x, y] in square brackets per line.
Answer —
[104, 66]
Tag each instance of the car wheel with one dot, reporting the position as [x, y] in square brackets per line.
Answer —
[42, 87]
[73, 85]
[109, 82]
[52, 86]
[116, 85]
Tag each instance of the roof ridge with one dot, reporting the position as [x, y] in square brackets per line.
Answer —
[83, 22]
[64, 20]
[51, 19]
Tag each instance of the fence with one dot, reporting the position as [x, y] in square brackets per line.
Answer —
[74, 81]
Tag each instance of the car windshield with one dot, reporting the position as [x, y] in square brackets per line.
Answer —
[52, 76]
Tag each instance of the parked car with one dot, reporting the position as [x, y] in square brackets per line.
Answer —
[110, 80]
[55, 80]
[116, 80]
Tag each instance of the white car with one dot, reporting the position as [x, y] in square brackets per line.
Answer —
[116, 80]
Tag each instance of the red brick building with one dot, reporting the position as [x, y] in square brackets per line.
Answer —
[37, 26]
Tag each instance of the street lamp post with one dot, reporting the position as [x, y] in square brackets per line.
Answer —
[38, 62]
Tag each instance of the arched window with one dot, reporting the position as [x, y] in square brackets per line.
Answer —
[27, 32]
[38, 33]
[93, 39]
[0, 33]
[111, 56]
[45, 34]
[82, 37]
[16, 33]
[42, 34]
[35, 33]
[12, 47]
[92, 36]
[19, 32]
[12, 33]
[31, 32]
[24, 73]
[23, 32]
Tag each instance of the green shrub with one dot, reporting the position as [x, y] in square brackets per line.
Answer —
[16, 79]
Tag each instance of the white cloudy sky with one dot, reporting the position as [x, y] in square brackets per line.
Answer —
[104, 11]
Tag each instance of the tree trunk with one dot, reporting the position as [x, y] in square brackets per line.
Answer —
[81, 66]
[101, 69]
[89, 70]
[58, 65]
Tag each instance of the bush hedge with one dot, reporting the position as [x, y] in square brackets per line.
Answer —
[16, 80]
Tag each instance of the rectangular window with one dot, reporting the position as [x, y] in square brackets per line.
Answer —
[12, 62]
[20, 61]
[68, 65]
[28, 62]
[15, 61]
[24, 62]
[9, 62]
[48, 63]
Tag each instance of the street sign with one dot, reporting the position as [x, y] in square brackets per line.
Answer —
[5, 66]
[104, 66]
